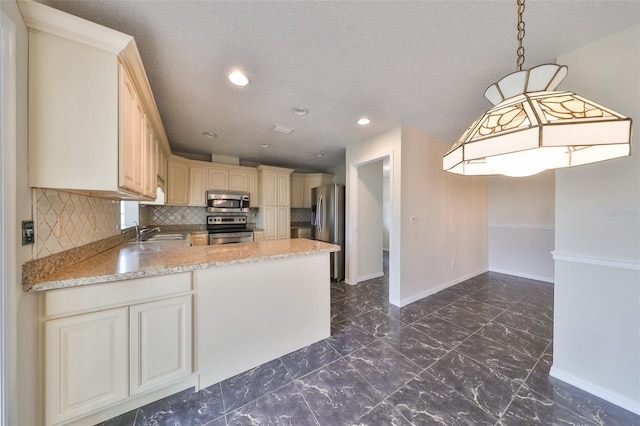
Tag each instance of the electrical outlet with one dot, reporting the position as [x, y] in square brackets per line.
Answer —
[28, 233]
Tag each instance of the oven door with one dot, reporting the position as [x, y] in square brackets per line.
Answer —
[217, 238]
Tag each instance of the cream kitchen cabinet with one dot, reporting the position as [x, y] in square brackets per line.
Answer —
[284, 223]
[198, 185]
[85, 363]
[297, 190]
[199, 239]
[274, 212]
[162, 163]
[254, 192]
[258, 235]
[178, 181]
[302, 184]
[238, 181]
[160, 343]
[203, 176]
[108, 345]
[313, 180]
[91, 110]
[217, 178]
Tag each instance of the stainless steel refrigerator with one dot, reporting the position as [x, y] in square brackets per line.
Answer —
[328, 224]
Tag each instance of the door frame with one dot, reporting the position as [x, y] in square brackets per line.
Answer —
[8, 222]
[352, 224]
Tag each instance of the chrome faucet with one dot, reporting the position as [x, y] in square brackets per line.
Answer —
[141, 234]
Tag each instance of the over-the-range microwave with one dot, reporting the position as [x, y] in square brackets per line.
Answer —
[227, 201]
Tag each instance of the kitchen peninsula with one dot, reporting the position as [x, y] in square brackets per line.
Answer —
[156, 318]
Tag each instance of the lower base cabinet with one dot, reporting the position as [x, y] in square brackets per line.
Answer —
[100, 359]
[199, 239]
[160, 343]
[85, 364]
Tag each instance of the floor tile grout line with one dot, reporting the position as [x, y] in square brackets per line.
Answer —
[313, 413]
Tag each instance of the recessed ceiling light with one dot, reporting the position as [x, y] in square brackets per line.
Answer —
[363, 121]
[300, 111]
[209, 134]
[318, 154]
[239, 79]
[265, 145]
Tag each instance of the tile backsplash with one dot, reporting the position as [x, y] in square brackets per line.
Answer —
[301, 215]
[176, 215]
[64, 220]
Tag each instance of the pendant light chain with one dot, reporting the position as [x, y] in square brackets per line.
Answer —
[520, 50]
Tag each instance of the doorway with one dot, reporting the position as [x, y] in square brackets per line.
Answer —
[368, 213]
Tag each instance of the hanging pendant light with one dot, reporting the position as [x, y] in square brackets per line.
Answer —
[532, 127]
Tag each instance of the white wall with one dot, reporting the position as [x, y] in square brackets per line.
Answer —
[521, 225]
[370, 221]
[597, 247]
[22, 320]
[383, 145]
[448, 242]
[450, 210]
[339, 172]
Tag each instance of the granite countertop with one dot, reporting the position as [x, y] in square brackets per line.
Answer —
[139, 260]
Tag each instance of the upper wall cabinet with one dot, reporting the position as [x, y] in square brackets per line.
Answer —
[303, 183]
[93, 121]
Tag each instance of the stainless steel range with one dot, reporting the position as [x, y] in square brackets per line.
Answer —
[227, 229]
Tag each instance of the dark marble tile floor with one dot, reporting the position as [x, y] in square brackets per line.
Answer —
[477, 353]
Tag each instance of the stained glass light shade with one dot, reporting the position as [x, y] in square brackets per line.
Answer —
[532, 127]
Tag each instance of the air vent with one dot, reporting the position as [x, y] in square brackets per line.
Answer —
[282, 129]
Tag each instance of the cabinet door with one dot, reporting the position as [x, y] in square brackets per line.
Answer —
[284, 223]
[238, 181]
[178, 183]
[269, 188]
[258, 236]
[218, 179]
[162, 163]
[283, 189]
[130, 175]
[309, 183]
[297, 191]
[197, 186]
[150, 161]
[160, 339]
[270, 223]
[86, 363]
[254, 194]
[199, 239]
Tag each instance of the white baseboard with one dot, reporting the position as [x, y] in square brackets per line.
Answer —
[371, 276]
[606, 394]
[520, 274]
[433, 290]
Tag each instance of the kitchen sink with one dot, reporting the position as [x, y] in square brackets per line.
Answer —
[162, 237]
[159, 237]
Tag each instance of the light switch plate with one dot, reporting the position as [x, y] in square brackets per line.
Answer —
[28, 233]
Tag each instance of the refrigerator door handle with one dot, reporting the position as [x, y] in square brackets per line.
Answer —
[320, 210]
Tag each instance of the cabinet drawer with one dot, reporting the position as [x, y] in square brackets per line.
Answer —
[94, 297]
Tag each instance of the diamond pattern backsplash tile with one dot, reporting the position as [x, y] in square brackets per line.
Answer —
[301, 215]
[177, 215]
[65, 220]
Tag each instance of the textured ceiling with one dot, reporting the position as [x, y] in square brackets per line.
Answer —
[422, 63]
